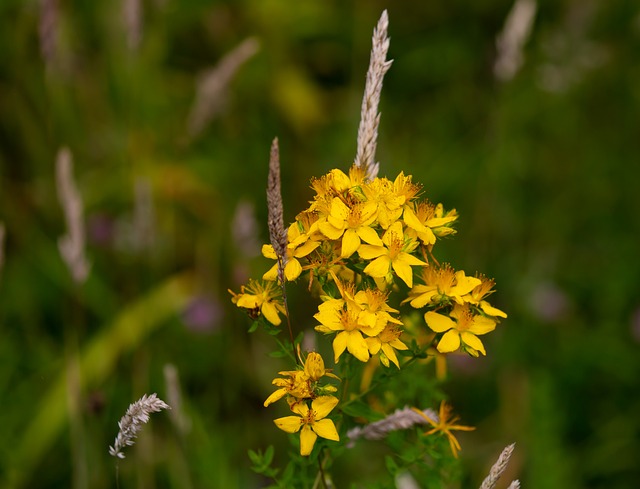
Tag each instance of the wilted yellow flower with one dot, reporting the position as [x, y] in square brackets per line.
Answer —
[260, 298]
[312, 421]
[463, 328]
[303, 383]
[394, 255]
[477, 295]
[444, 425]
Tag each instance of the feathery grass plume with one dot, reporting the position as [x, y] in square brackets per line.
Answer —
[132, 20]
[213, 84]
[514, 485]
[48, 30]
[498, 468]
[369, 117]
[2, 233]
[72, 244]
[277, 231]
[400, 419]
[131, 423]
[512, 38]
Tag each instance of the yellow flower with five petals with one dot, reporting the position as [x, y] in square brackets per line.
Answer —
[311, 421]
[394, 255]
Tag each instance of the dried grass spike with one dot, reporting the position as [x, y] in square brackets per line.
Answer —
[213, 84]
[498, 468]
[511, 40]
[131, 423]
[72, 244]
[400, 419]
[369, 117]
[514, 485]
[277, 231]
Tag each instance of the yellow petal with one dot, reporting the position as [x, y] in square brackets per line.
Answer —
[369, 252]
[340, 344]
[491, 311]
[391, 354]
[330, 231]
[292, 269]
[272, 274]
[307, 440]
[422, 295]
[323, 405]
[410, 259]
[290, 424]
[339, 211]
[350, 243]
[271, 313]
[269, 252]
[473, 341]
[411, 220]
[449, 342]
[373, 344]
[306, 248]
[357, 346]
[248, 301]
[379, 267]
[326, 429]
[482, 325]
[276, 396]
[369, 235]
[404, 271]
[438, 322]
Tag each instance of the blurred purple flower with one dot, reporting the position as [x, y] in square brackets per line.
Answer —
[548, 302]
[203, 314]
[100, 230]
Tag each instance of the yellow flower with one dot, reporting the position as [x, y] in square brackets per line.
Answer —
[299, 245]
[422, 218]
[297, 385]
[465, 329]
[389, 205]
[312, 421]
[352, 224]
[444, 425]
[440, 285]
[339, 316]
[303, 384]
[260, 298]
[385, 343]
[481, 291]
[393, 255]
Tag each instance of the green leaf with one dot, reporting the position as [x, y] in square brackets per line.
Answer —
[254, 326]
[268, 455]
[359, 409]
[391, 464]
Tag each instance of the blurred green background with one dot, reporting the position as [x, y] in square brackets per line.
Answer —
[543, 169]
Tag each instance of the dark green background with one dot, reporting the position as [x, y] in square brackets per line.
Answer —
[543, 169]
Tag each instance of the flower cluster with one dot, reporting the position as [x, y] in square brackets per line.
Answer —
[310, 400]
[359, 242]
